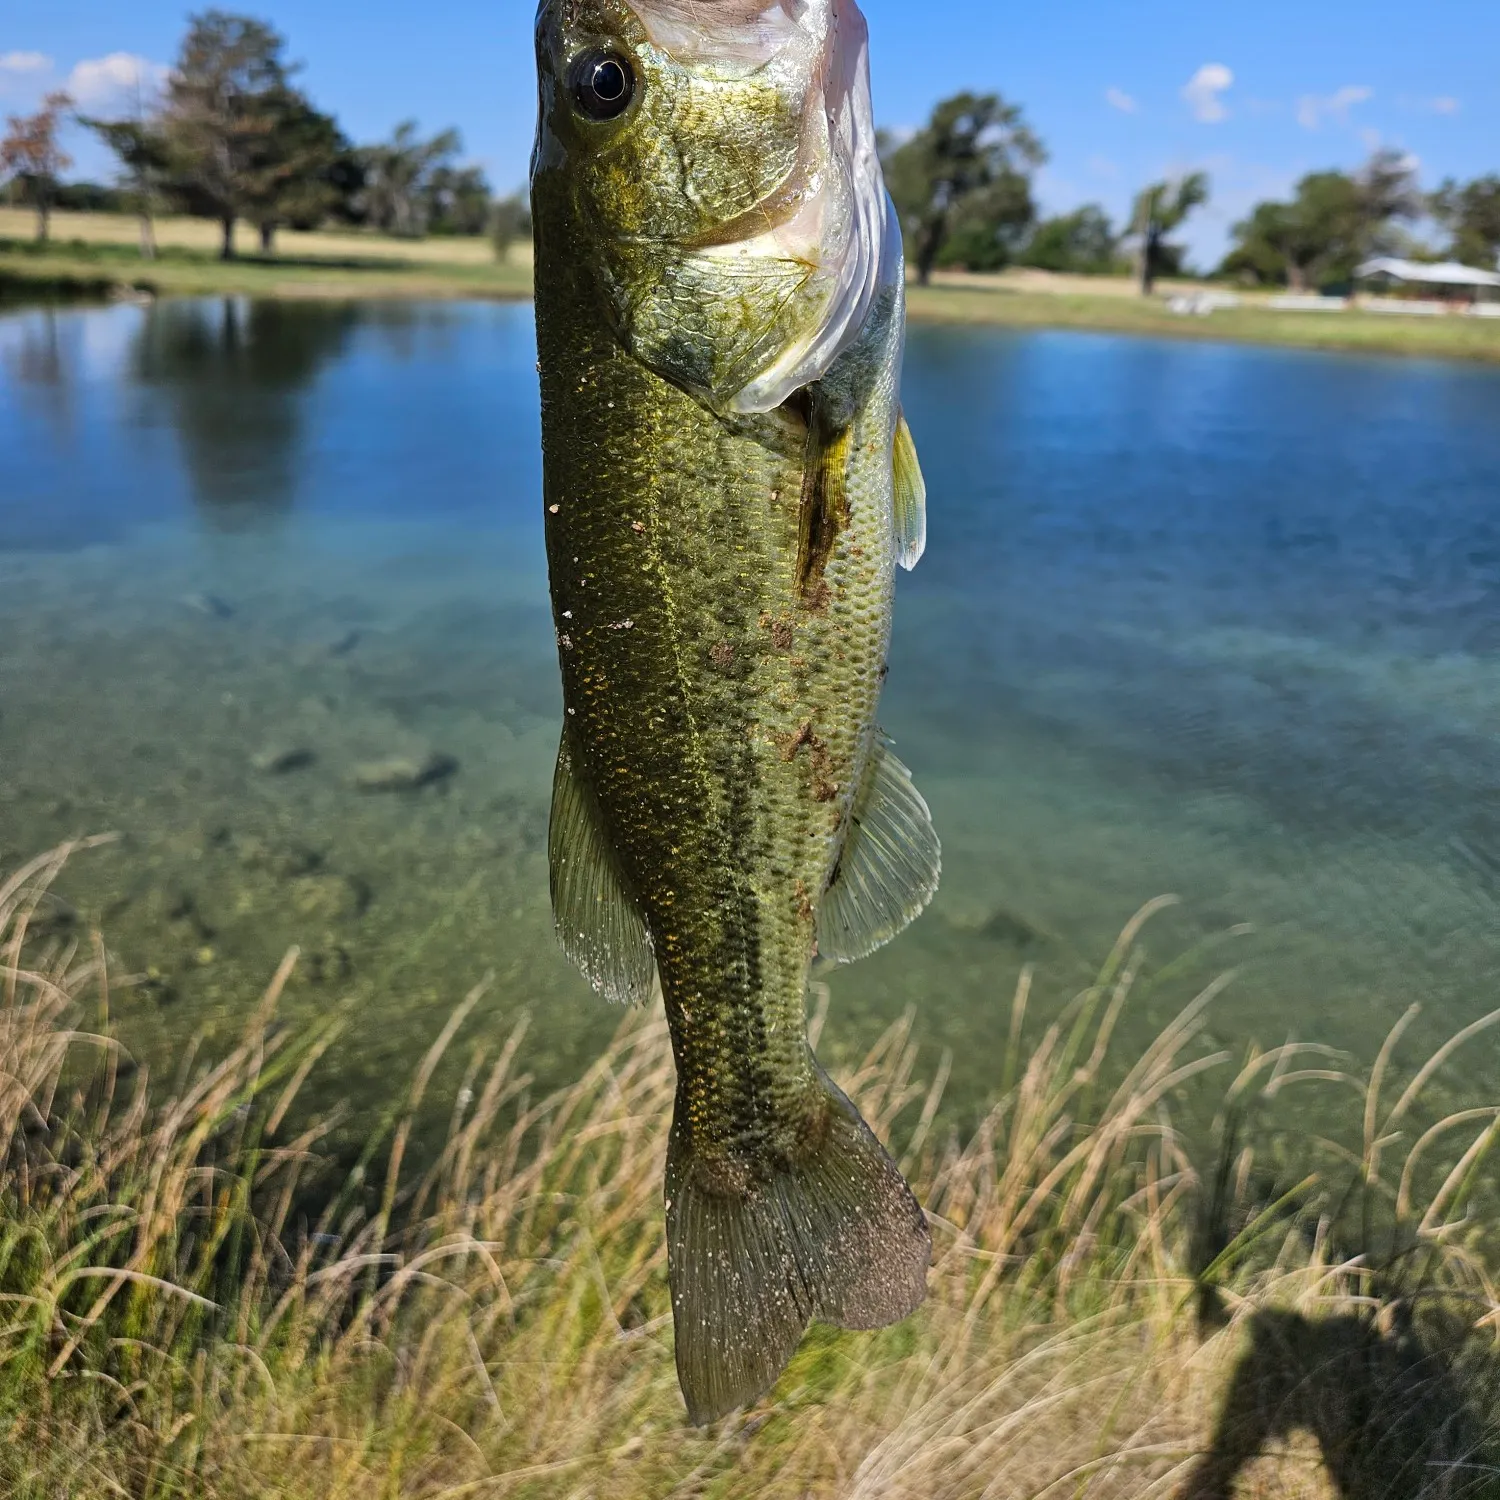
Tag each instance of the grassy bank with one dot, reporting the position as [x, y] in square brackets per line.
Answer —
[91, 254]
[1031, 301]
[1106, 1316]
[94, 254]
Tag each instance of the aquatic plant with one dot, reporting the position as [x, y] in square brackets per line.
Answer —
[493, 1320]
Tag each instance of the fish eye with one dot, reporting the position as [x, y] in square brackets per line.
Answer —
[602, 84]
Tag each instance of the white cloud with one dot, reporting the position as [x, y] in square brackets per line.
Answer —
[1120, 100]
[25, 62]
[1313, 109]
[1446, 105]
[117, 80]
[1102, 166]
[1203, 91]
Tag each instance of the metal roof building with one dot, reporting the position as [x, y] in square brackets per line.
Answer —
[1448, 274]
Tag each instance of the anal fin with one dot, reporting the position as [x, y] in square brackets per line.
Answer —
[597, 923]
[889, 867]
[910, 499]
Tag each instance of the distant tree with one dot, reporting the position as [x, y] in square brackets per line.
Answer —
[399, 176]
[142, 153]
[510, 221]
[1389, 194]
[966, 173]
[458, 200]
[1261, 246]
[1083, 241]
[302, 168]
[92, 198]
[30, 153]
[1316, 239]
[1333, 222]
[225, 102]
[1471, 215]
[1159, 211]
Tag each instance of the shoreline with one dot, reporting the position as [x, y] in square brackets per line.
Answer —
[95, 259]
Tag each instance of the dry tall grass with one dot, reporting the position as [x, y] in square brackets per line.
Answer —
[496, 1322]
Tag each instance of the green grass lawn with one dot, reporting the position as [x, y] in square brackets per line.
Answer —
[94, 255]
[310, 266]
[956, 301]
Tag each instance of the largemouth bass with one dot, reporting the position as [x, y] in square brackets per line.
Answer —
[729, 487]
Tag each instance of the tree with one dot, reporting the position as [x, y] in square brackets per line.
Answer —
[142, 155]
[1471, 215]
[1389, 192]
[1159, 210]
[399, 176]
[303, 167]
[1334, 222]
[225, 101]
[457, 200]
[510, 220]
[966, 173]
[31, 153]
[1083, 241]
[142, 152]
[1317, 238]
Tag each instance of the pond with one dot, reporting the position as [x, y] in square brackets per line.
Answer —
[1199, 619]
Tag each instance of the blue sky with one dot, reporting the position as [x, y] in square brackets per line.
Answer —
[1120, 92]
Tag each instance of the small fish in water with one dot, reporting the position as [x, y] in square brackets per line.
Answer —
[729, 487]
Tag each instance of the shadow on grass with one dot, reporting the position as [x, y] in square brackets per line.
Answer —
[1396, 1410]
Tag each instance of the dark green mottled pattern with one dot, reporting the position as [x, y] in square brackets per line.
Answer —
[723, 710]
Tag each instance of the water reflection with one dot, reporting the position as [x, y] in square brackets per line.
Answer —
[233, 376]
[39, 362]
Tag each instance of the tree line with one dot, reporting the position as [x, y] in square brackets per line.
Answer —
[232, 138]
[1336, 220]
[963, 187]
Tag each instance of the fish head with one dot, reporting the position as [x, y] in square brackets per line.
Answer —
[711, 166]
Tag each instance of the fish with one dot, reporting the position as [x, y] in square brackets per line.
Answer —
[730, 486]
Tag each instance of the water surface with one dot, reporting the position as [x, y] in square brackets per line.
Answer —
[1210, 620]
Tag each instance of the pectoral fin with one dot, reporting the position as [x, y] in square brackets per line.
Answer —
[911, 500]
[889, 868]
[597, 922]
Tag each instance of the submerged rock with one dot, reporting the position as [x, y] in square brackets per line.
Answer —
[328, 965]
[210, 605]
[334, 898]
[277, 760]
[343, 643]
[404, 773]
[1006, 927]
[281, 857]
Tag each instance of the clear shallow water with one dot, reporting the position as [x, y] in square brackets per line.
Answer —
[1201, 619]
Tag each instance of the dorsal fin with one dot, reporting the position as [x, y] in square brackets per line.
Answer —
[889, 868]
[910, 499]
[597, 922]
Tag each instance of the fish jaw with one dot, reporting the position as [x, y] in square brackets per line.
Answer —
[734, 218]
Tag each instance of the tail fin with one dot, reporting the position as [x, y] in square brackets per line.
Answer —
[836, 1235]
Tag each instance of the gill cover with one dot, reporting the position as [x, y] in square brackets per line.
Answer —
[733, 217]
